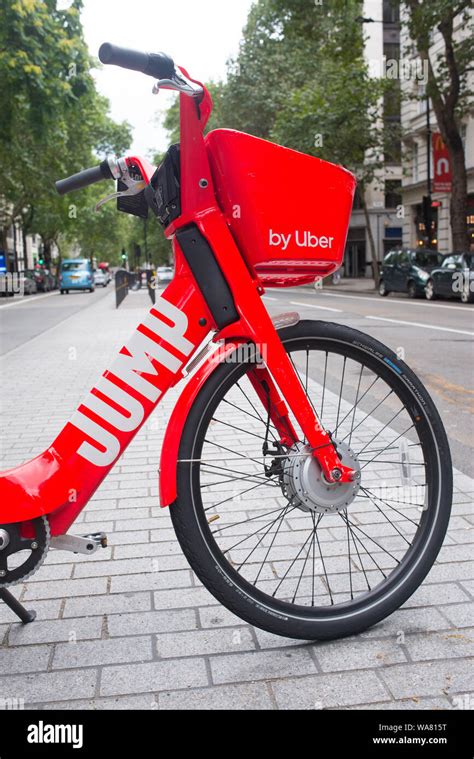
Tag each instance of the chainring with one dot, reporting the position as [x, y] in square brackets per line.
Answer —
[35, 549]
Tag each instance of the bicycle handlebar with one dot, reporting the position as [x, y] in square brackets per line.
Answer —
[157, 65]
[84, 178]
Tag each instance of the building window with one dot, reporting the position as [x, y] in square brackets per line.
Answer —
[357, 204]
[393, 193]
[391, 11]
[391, 51]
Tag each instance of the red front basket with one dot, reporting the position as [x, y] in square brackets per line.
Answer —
[288, 212]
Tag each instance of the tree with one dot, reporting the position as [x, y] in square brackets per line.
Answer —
[448, 87]
[52, 120]
[99, 234]
[300, 79]
[323, 119]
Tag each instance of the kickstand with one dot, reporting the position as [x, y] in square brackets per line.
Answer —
[16, 607]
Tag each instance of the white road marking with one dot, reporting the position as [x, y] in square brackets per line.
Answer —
[312, 305]
[419, 324]
[407, 302]
[27, 299]
[267, 297]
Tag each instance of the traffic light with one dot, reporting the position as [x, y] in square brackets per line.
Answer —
[124, 255]
[427, 216]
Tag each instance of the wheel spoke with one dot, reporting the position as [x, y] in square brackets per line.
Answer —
[369, 414]
[239, 429]
[369, 493]
[285, 512]
[292, 563]
[340, 395]
[328, 584]
[231, 497]
[355, 404]
[402, 434]
[359, 540]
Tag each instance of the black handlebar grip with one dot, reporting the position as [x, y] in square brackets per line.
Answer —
[84, 178]
[157, 65]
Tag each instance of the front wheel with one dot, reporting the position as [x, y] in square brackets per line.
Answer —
[430, 291]
[467, 296]
[383, 289]
[268, 536]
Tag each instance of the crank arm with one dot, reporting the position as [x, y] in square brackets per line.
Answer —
[87, 545]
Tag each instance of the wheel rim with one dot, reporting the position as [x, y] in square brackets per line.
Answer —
[372, 562]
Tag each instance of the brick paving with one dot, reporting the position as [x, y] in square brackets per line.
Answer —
[132, 627]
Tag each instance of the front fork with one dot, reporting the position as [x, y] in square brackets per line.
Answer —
[279, 388]
[279, 366]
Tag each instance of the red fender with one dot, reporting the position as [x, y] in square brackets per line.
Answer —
[177, 420]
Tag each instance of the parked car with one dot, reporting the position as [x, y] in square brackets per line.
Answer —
[76, 274]
[51, 279]
[17, 283]
[104, 266]
[453, 279]
[27, 283]
[407, 270]
[164, 275]
[100, 278]
[41, 279]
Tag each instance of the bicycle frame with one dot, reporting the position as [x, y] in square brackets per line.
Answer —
[60, 481]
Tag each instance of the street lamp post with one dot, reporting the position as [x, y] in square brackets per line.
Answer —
[427, 209]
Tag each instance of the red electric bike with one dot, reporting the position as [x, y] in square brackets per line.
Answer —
[306, 468]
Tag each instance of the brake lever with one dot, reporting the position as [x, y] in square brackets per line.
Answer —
[137, 188]
[120, 171]
[179, 83]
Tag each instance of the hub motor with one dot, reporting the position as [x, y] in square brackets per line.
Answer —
[305, 486]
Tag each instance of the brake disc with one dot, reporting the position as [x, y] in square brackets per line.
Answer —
[21, 557]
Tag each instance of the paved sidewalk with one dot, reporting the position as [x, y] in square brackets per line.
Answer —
[131, 627]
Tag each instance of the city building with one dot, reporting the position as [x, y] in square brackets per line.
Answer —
[381, 20]
[422, 142]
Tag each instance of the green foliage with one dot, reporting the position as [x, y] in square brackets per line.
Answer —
[448, 86]
[300, 79]
[454, 61]
[53, 122]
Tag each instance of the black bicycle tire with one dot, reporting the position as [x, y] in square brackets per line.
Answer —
[232, 590]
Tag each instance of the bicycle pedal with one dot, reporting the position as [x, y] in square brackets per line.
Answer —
[100, 538]
[85, 544]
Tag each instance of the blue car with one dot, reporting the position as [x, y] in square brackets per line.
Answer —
[76, 274]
